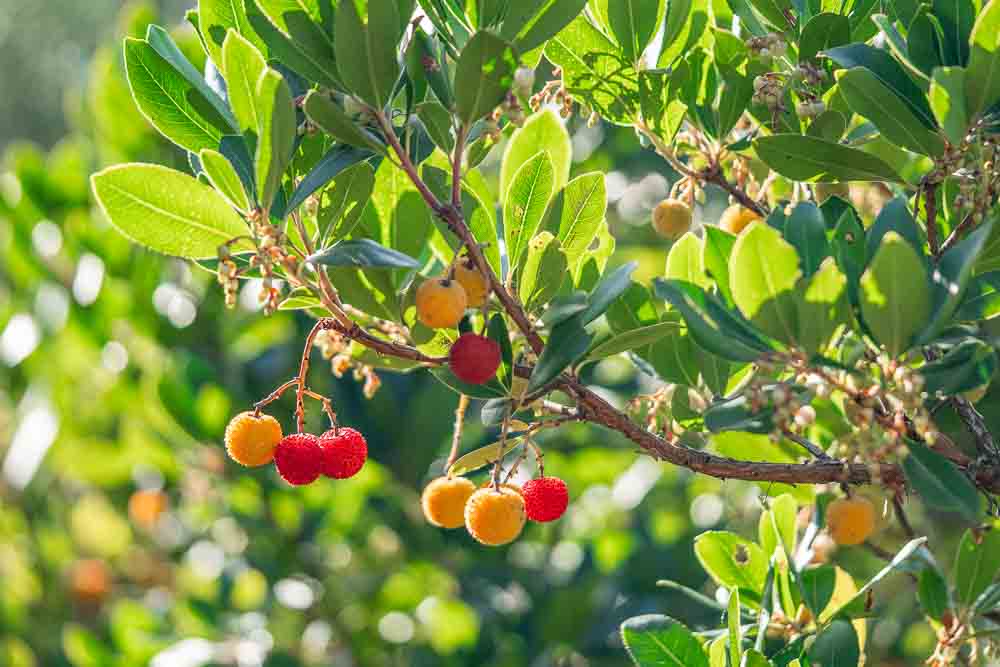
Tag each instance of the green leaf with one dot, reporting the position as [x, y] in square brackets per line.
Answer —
[857, 605]
[753, 658]
[982, 298]
[932, 591]
[956, 18]
[764, 269]
[223, 177]
[822, 306]
[404, 219]
[633, 339]
[685, 25]
[951, 278]
[968, 365]
[734, 99]
[164, 45]
[343, 202]
[829, 125]
[498, 331]
[804, 158]
[437, 121]
[242, 65]
[733, 623]
[823, 31]
[817, 585]
[987, 600]
[336, 160]
[895, 120]
[710, 324]
[654, 640]
[924, 42]
[939, 483]
[896, 217]
[594, 72]
[531, 23]
[300, 299]
[662, 112]
[333, 120]
[544, 271]
[805, 229]
[836, 646]
[169, 102]
[776, 526]
[541, 132]
[525, 204]
[686, 261]
[733, 562]
[275, 134]
[983, 70]
[568, 343]
[895, 301]
[889, 72]
[947, 98]
[718, 248]
[633, 24]
[976, 564]
[483, 76]
[301, 23]
[426, 61]
[482, 457]
[610, 287]
[576, 214]
[367, 36]
[216, 19]
[166, 210]
[363, 253]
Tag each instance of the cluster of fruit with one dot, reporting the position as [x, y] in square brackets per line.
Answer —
[441, 304]
[300, 458]
[494, 514]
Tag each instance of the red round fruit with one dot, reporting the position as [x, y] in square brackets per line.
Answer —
[545, 498]
[299, 458]
[474, 359]
[344, 452]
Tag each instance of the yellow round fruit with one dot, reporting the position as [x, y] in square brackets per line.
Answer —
[472, 281]
[850, 520]
[250, 440]
[672, 218]
[495, 517]
[736, 218]
[824, 191]
[441, 303]
[443, 501]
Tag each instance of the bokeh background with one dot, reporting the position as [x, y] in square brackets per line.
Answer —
[126, 536]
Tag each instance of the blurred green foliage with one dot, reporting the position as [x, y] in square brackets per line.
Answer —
[119, 371]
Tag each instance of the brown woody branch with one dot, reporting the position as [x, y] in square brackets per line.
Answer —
[594, 409]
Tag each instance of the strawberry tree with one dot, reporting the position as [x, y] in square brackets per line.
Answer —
[832, 328]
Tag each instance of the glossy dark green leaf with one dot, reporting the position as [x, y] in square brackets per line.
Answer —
[947, 98]
[489, 390]
[823, 31]
[568, 343]
[984, 60]
[805, 229]
[804, 158]
[367, 35]
[939, 483]
[343, 201]
[607, 290]
[982, 298]
[483, 76]
[836, 646]
[817, 585]
[895, 298]
[932, 591]
[335, 161]
[951, 278]
[968, 365]
[976, 564]
[364, 253]
[333, 120]
[497, 330]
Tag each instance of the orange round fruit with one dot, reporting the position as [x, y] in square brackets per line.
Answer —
[146, 506]
[495, 517]
[250, 440]
[441, 303]
[850, 520]
[672, 218]
[472, 281]
[443, 501]
[736, 218]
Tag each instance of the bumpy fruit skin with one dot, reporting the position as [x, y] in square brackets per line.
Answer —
[736, 218]
[850, 520]
[441, 303]
[250, 441]
[472, 281]
[299, 458]
[344, 452]
[495, 517]
[824, 191]
[671, 218]
[474, 358]
[443, 501]
[545, 498]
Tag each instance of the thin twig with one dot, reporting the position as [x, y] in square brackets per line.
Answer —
[811, 447]
[456, 436]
